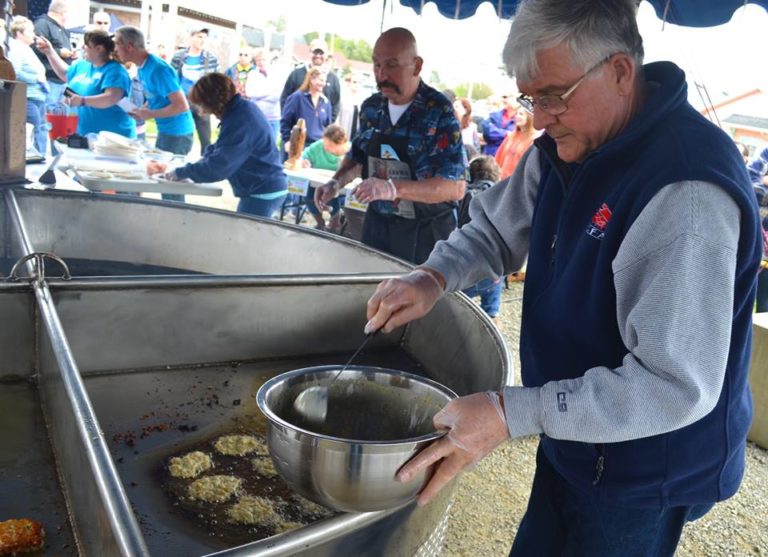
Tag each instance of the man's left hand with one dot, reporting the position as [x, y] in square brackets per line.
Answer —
[476, 425]
[375, 189]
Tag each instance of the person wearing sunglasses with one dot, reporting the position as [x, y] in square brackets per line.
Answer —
[239, 71]
[318, 52]
[642, 239]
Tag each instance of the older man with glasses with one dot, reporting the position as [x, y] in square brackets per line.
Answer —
[332, 90]
[642, 237]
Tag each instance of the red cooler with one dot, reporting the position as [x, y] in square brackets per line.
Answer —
[60, 122]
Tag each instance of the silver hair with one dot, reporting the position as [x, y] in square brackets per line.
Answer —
[131, 35]
[58, 6]
[591, 29]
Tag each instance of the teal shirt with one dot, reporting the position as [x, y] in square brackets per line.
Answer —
[160, 80]
[320, 158]
[87, 80]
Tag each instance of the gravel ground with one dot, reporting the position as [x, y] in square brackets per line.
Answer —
[491, 499]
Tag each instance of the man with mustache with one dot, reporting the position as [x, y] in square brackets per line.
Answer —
[409, 153]
[641, 232]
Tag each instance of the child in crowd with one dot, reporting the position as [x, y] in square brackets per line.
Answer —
[326, 155]
[483, 173]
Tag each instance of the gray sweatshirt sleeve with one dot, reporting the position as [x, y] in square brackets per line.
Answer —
[674, 279]
[495, 242]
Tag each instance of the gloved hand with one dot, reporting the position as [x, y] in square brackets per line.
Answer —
[477, 426]
[401, 300]
[326, 192]
[375, 189]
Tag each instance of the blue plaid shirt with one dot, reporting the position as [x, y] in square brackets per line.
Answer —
[430, 126]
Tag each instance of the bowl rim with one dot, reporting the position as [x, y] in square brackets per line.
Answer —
[274, 419]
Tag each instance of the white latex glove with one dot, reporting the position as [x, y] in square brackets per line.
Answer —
[326, 192]
[375, 189]
[401, 300]
[477, 426]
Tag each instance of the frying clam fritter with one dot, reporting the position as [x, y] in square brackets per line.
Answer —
[21, 536]
[215, 489]
[253, 510]
[264, 466]
[240, 445]
[190, 465]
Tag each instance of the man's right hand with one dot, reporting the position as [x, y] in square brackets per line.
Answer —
[42, 44]
[325, 193]
[401, 300]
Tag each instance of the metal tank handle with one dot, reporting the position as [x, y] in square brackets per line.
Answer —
[38, 267]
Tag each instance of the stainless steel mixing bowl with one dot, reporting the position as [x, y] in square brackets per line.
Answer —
[377, 420]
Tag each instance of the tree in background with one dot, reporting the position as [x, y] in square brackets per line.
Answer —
[354, 50]
[278, 24]
[435, 81]
[480, 90]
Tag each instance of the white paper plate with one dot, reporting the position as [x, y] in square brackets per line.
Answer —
[113, 138]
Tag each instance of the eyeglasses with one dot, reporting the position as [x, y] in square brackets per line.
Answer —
[245, 54]
[554, 105]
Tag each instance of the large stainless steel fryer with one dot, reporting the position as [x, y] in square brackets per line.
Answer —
[172, 318]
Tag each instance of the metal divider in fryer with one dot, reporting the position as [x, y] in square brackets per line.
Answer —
[99, 509]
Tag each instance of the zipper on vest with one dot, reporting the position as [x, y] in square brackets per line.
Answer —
[552, 249]
[599, 465]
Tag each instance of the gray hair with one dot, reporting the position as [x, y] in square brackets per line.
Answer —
[592, 30]
[58, 6]
[129, 34]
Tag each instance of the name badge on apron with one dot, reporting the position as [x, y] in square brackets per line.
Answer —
[389, 166]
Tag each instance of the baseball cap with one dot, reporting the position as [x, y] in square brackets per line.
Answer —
[201, 30]
[318, 44]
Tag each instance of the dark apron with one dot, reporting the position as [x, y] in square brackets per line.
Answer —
[403, 228]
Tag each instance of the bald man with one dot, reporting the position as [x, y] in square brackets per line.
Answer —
[52, 26]
[409, 153]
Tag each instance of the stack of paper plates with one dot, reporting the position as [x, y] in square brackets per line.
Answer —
[115, 145]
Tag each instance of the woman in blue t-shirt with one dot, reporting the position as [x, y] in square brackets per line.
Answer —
[96, 84]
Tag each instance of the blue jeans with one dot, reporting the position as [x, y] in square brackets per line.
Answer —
[762, 291]
[275, 125]
[563, 522]
[334, 204]
[260, 207]
[36, 117]
[489, 291]
[55, 93]
[179, 145]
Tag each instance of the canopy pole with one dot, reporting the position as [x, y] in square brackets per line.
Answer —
[383, 13]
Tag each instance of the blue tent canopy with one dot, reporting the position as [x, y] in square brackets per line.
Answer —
[691, 13]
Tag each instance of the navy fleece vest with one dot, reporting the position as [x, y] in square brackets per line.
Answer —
[583, 212]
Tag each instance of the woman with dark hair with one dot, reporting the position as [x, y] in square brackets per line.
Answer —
[95, 85]
[309, 103]
[245, 153]
[469, 136]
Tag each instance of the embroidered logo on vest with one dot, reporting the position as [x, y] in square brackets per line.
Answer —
[600, 220]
